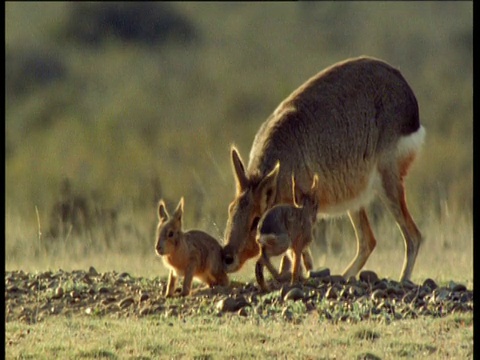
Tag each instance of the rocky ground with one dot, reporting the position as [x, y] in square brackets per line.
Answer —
[33, 297]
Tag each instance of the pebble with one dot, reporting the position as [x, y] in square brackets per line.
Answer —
[243, 312]
[409, 297]
[126, 302]
[409, 285]
[58, 293]
[287, 314]
[368, 276]
[378, 294]
[145, 311]
[320, 273]
[355, 291]
[33, 297]
[380, 285]
[432, 285]
[108, 300]
[440, 294]
[455, 287]
[331, 293]
[336, 279]
[294, 294]
[231, 304]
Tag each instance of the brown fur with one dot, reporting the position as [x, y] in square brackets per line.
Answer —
[355, 124]
[191, 254]
[287, 228]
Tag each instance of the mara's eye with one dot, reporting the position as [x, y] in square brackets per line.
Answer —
[256, 219]
[170, 233]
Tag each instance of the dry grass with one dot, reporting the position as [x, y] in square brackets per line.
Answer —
[445, 255]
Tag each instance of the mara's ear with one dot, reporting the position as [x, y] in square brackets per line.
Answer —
[162, 211]
[179, 210]
[312, 193]
[296, 193]
[314, 183]
[239, 171]
[268, 188]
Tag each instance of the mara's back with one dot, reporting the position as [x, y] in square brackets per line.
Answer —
[339, 124]
[207, 248]
[276, 220]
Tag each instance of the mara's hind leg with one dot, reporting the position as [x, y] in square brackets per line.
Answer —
[285, 270]
[395, 199]
[307, 261]
[297, 262]
[365, 242]
[286, 265]
[272, 270]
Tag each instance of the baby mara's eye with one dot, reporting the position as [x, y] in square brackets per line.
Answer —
[170, 233]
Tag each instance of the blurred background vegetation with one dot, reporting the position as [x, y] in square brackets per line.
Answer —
[112, 106]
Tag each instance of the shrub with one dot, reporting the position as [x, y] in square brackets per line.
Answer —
[145, 22]
[26, 69]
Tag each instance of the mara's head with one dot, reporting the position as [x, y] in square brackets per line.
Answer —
[254, 196]
[169, 228]
[306, 199]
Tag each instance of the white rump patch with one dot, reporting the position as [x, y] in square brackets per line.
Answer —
[265, 238]
[411, 143]
[405, 147]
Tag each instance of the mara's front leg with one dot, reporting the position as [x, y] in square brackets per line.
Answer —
[307, 261]
[272, 270]
[172, 280]
[285, 268]
[187, 280]
[259, 274]
[263, 261]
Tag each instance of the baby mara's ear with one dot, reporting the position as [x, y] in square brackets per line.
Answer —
[177, 215]
[312, 194]
[313, 189]
[162, 211]
[267, 189]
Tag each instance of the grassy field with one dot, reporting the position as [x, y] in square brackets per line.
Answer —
[131, 115]
[240, 338]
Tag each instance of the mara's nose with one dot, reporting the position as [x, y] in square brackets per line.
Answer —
[159, 249]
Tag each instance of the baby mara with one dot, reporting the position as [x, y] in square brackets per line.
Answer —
[191, 254]
[287, 227]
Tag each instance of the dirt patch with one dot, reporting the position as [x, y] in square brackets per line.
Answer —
[33, 297]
